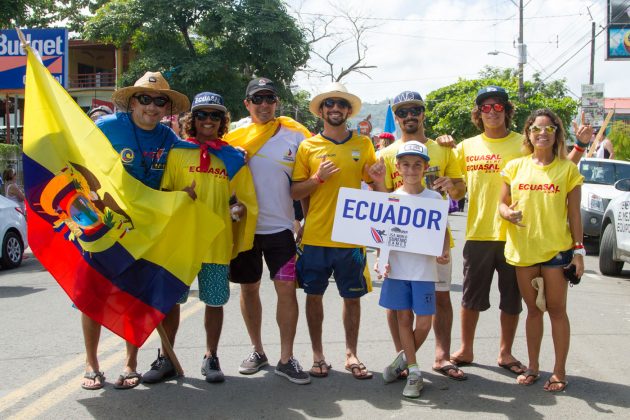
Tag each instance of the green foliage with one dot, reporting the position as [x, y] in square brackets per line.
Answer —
[9, 151]
[201, 45]
[448, 108]
[620, 137]
[42, 13]
[297, 108]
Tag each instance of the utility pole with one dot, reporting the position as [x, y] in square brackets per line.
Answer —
[592, 73]
[522, 53]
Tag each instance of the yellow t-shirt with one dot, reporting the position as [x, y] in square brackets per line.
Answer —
[350, 156]
[541, 192]
[442, 157]
[481, 160]
[212, 188]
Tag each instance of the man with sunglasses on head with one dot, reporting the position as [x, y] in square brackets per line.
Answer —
[335, 158]
[409, 110]
[481, 159]
[143, 143]
[271, 144]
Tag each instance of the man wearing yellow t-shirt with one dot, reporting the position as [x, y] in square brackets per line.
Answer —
[481, 159]
[409, 110]
[324, 163]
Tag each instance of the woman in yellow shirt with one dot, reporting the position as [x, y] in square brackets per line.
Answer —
[541, 191]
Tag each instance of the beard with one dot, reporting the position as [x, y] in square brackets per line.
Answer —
[336, 122]
[411, 129]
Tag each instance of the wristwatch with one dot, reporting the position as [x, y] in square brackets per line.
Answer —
[578, 249]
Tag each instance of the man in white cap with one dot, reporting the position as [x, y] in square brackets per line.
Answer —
[447, 179]
[335, 158]
[143, 144]
[271, 144]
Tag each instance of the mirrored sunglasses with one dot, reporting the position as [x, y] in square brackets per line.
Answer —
[489, 107]
[536, 129]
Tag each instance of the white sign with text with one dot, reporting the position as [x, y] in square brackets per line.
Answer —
[390, 221]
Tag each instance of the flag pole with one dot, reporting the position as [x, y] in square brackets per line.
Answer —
[168, 349]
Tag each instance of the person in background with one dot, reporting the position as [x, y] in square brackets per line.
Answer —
[12, 190]
[99, 111]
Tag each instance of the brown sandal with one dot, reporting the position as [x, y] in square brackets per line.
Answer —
[320, 365]
[359, 371]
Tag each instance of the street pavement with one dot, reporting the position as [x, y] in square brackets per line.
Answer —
[41, 361]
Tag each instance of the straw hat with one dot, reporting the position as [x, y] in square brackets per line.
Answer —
[335, 90]
[151, 82]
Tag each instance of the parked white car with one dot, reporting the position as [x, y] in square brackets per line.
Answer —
[614, 246]
[12, 232]
[600, 176]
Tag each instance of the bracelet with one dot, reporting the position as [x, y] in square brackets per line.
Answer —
[319, 179]
[579, 149]
[582, 145]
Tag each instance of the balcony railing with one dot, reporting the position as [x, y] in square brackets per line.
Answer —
[92, 80]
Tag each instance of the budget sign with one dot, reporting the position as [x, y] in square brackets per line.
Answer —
[390, 221]
[52, 46]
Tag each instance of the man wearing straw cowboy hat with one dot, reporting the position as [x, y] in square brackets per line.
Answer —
[143, 143]
[335, 158]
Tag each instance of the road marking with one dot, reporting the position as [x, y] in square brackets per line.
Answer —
[55, 396]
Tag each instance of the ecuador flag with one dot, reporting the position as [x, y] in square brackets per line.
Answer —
[123, 252]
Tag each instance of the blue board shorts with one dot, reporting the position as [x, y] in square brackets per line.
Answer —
[400, 295]
[317, 263]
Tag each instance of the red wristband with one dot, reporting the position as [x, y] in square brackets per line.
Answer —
[321, 181]
[579, 149]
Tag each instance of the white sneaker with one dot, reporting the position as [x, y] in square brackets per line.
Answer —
[414, 385]
[393, 370]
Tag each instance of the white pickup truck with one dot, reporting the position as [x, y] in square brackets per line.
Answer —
[614, 246]
[600, 176]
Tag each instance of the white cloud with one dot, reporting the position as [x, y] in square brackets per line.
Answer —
[422, 45]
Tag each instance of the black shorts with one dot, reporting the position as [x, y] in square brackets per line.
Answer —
[481, 260]
[278, 249]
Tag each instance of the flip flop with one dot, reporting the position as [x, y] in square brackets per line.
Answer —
[444, 370]
[120, 382]
[459, 362]
[550, 382]
[359, 371]
[319, 365]
[511, 365]
[94, 376]
[528, 374]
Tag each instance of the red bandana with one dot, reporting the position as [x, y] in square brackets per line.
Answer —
[204, 156]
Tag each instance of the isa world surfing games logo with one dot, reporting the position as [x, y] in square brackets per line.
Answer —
[377, 235]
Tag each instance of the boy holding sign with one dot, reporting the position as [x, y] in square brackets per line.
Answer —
[410, 278]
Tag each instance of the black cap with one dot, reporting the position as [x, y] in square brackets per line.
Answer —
[491, 92]
[259, 84]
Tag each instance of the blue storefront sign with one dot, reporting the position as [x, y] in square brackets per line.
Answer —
[52, 46]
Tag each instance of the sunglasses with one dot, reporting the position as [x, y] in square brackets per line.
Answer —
[204, 115]
[258, 99]
[403, 112]
[341, 103]
[536, 129]
[160, 101]
[489, 107]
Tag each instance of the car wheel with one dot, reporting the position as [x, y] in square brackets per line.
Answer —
[12, 250]
[607, 246]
